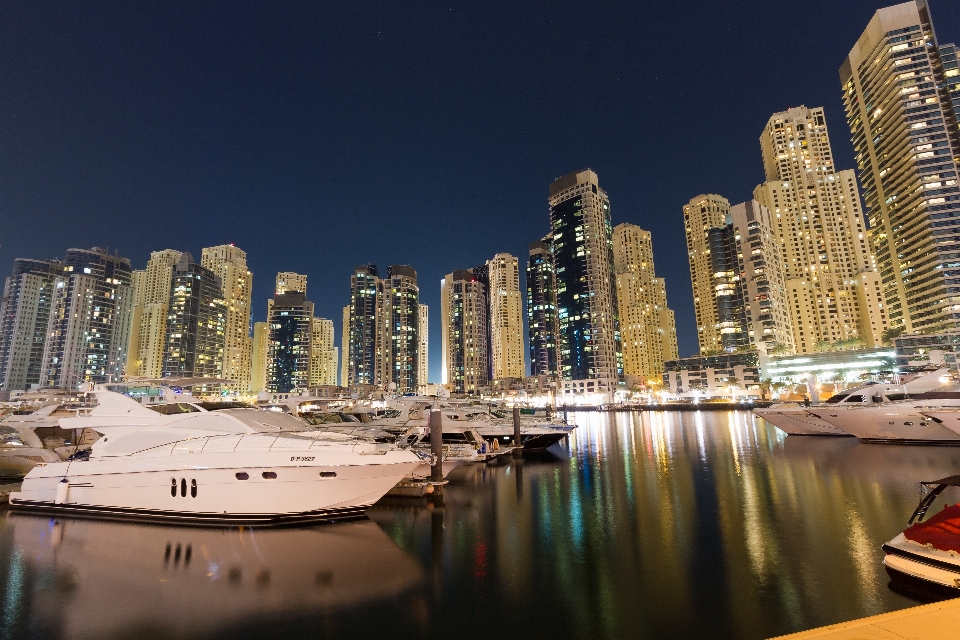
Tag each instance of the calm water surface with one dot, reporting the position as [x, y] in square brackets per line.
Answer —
[673, 525]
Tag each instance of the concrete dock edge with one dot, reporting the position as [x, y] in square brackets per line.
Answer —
[939, 620]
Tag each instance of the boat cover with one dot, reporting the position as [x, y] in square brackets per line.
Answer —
[942, 530]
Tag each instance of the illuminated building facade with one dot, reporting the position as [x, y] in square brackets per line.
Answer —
[424, 352]
[900, 111]
[260, 354]
[648, 329]
[24, 313]
[290, 332]
[505, 323]
[582, 246]
[89, 327]
[363, 353]
[289, 282]
[820, 226]
[542, 325]
[700, 215]
[229, 263]
[464, 312]
[196, 319]
[401, 328]
[148, 331]
[323, 355]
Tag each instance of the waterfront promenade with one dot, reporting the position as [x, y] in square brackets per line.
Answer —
[940, 620]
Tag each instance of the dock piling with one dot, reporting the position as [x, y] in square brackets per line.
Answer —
[517, 443]
[436, 448]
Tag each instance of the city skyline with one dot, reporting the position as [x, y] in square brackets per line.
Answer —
[428, 245]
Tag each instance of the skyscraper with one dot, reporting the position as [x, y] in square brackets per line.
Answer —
[647, 326]
[820, 226]
[345, 348]
[148, 330]
[423, 353]
[899, 109]
[506, 317]
[463, 315]
[323, 355]
[768, 321]
[196, 319]
[702, 213]
[290, 326]
[361, 355]
[24, 314]
[586, 287]
[89, 327]
[229, 263]
[542, 310]
[401, 327]
[260, 355]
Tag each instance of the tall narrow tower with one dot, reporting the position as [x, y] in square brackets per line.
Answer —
[401, 328]
[506, 317]
[149, 325]
[89, 329]
[229, 263]
[542, 325]
[24, 313]
[702, 213]
[899, 109]
[586, 287]
[366, 294]
[463, 313]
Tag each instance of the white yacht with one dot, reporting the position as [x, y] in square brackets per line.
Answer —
[906, 421]
[238, 466]
[929, 552]
[824, 419]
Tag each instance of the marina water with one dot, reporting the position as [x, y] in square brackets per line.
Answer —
[644, 525]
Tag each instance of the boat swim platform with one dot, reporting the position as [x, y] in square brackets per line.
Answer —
[938, 620]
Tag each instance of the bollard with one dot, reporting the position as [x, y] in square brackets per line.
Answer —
[517, 443]
[436, 448]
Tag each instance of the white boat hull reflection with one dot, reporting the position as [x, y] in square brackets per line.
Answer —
[125, 580]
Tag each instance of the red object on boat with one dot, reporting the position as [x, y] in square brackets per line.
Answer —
[942, 530]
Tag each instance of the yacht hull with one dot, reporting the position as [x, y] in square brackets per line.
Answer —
[798, 422]
[209, 489]
[890, 424]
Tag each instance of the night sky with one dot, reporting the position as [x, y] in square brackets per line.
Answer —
[318, 136]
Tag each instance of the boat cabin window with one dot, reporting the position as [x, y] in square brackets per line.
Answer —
[893, 397]
[347, 417]
[449, 437]
[391, 413]
[837, 398]
[10, 438]
[856, 397]
[174, 408]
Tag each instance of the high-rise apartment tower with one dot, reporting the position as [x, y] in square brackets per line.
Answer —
[647, 327]
[900, 112]
[589, 339]
[542, 325]
[700, 215]
[506, 317]
[24, 314]
[818, 220]
[229, 263]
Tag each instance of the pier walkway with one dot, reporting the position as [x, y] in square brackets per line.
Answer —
[939, 620]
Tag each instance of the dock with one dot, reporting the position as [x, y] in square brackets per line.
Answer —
[939, 620]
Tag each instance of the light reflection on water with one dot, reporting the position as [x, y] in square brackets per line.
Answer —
[655, 525]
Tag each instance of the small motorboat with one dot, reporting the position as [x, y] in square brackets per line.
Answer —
[929, 551]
